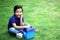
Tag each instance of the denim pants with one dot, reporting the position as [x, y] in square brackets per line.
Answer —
[13, 30]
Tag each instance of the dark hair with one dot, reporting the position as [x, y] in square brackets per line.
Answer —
[17, 7]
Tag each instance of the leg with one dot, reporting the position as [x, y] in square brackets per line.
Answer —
[16, 32]
[13, 30]
[29, 25]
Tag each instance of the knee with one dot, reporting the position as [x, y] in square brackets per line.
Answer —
[12, 28]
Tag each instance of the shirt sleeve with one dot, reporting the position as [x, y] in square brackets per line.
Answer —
[12, 20]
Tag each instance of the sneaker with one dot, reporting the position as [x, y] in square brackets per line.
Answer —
[19, 35]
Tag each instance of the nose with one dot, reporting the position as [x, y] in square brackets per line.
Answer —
[19, 13]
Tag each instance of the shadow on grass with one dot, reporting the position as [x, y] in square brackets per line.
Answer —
[7, 36]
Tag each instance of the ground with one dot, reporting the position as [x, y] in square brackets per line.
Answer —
[41, 14]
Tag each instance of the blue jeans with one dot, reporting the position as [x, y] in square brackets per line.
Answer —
[15, 31]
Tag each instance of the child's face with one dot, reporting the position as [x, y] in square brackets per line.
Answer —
[18, 13]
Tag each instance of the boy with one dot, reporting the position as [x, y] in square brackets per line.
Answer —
[16, 22]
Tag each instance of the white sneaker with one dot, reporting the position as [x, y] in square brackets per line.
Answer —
[19, 35]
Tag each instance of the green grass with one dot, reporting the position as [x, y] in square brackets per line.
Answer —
[42, 14]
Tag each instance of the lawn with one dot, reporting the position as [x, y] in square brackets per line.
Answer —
[41, 14]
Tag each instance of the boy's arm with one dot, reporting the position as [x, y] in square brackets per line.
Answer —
[21, 22]
[19, 27]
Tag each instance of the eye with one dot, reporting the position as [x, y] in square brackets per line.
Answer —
[17, 11]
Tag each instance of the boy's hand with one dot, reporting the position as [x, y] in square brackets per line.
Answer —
[21, 22]
[26, 26]
[20, 16]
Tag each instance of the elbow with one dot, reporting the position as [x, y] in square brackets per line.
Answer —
[16, 27]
